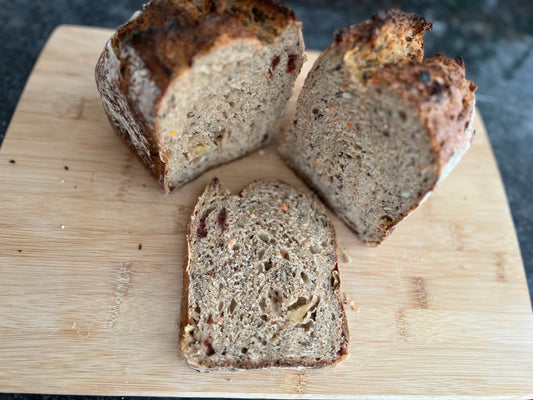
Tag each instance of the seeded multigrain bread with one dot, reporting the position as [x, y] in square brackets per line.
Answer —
[377, 126]
[261, 283]
[190, 86]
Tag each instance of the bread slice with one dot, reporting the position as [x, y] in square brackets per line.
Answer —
[190, 86]
[377, 126]
[261, 283]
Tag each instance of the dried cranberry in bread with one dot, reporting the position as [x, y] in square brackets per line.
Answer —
[190, 86]
[261, 283]
[377, 126]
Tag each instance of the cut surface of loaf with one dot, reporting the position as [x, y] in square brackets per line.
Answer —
[261, 283]
[190, 86]
[377, 126]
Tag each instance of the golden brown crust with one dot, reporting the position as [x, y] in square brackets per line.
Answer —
[391, 22]
[392, 36]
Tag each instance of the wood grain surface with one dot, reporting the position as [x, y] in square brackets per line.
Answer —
[91, 253]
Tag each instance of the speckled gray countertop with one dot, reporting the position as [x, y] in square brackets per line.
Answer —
[494, 37]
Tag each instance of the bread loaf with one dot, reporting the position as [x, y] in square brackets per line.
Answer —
[190, 86]
[261, 283]
[377, 125]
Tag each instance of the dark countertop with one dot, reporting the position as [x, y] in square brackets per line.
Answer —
[494, 37]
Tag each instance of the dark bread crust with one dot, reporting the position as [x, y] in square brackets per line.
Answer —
[392, 36]
[390, 22]
[166, 37]
[213, 189]
[124, 115]
[170, 33]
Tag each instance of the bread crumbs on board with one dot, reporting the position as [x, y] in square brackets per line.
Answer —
[344, 256]
[347, 301]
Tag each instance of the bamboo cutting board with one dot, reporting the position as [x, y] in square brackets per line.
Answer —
[91, 254]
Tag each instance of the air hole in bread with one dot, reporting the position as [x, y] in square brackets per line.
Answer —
[232, 305]
[385, 221]
[334, 278]
[220, 137]
[298, 303]
[305, 277]
[208, 343]
[268, 265]
[244, 350]
[264, 237]
[275, 299]
[312, 316]
[262, 304]
[196, 313]
[308, 325]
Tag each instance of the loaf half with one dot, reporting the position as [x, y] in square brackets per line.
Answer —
[190, 86]
[261, 283]
[377, 126]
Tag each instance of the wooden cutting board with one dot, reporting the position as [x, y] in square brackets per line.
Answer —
[91, 253]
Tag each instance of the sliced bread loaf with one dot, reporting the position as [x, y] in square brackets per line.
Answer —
[190, 86]
[261, 283]
[377, 126]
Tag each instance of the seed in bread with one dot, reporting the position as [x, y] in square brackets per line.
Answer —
[261, 283]
[190, 86]
[377, 126]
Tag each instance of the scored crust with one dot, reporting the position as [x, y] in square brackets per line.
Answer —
[215, 190]
[161, 43]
